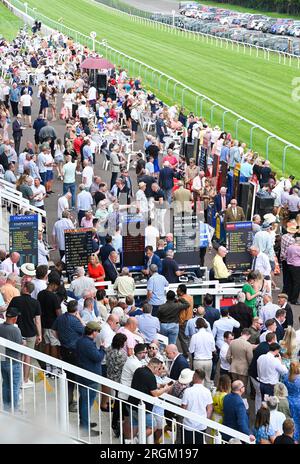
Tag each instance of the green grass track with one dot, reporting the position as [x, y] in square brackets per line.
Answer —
[257, 89]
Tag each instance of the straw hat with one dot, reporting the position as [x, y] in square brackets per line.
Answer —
[186, 376]
[28, 269]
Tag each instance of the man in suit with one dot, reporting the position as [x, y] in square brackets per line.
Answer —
[111, 272]
[239, 356]
[283, 303]
[178, 363]
[222, 200]
[151, 258]
[17, 132]
[280, 318]
[166, 181]
[234, 213]
[235, 413]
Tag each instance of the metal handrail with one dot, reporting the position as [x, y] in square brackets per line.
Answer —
[121, 388]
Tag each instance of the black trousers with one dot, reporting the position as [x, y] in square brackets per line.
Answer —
[17, 140]
[294, 290]
[114, 176]
[69, 356]
[15, 108]
[202, 255]
[285, 277]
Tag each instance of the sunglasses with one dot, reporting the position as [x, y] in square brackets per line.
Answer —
[152, 347]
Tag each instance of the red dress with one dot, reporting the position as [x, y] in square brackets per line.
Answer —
[97, 273]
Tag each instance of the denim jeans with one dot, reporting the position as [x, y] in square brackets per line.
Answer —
[170, 330]
[86, 400]
[6, 385]
[168, 196]
[72, 188]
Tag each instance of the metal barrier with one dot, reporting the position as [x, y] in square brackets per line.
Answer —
[47, 401]
[166, 85]
[142, 17]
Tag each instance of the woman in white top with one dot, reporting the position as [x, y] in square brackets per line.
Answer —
[49, 172]
[68, 100]
[59, 158]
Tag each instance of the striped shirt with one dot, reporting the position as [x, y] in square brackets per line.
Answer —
[286, 241]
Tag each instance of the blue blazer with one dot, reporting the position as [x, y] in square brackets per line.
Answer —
[179, 364]
[155, 260]
[166, 181]
[218, 204]
[279, 331]
[235, 414]
[110, 271]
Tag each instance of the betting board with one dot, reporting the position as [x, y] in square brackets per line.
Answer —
[23, 237]
[79, 247]
[239, 238]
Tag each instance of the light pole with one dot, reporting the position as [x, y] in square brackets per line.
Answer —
[173, 14]
[93, 36]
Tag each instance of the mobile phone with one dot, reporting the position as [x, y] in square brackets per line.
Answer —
[170, 383]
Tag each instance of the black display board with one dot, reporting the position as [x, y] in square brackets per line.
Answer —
[186, 240]
[239, 238]
[23, 237]
[79, 247]
[133, 236]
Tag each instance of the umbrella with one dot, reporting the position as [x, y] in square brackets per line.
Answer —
[96, 63]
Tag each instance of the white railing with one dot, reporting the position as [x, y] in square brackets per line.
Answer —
[19, 202]
[154, 77]
[49, 400]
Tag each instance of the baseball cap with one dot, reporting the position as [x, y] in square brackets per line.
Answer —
[12, 312]
[93, 325]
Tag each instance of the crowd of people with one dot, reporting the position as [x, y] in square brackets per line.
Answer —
[214, 359]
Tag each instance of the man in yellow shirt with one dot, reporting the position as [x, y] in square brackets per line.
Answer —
[219, 267]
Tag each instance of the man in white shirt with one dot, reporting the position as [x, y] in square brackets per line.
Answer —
[226, 323]
[260, 261]
[81, 283]
[151, 236]
[87, 174]
[268, 311]
[224, 364]
[40, 193]
[9, 265]
[84, 202]
[42, 164]
[92, 96]
[40, 280]
[63, 204]
[196, 399]
[271, 328]
[26, 102]
[269, 370]
[58, 235]
[131, 365]
[69, 174]
[202, 347]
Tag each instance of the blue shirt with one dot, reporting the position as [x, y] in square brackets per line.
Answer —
[246, 170]
[148, 326]
[14, 94]
[224, 155]
[156, 284]
[69, 330]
